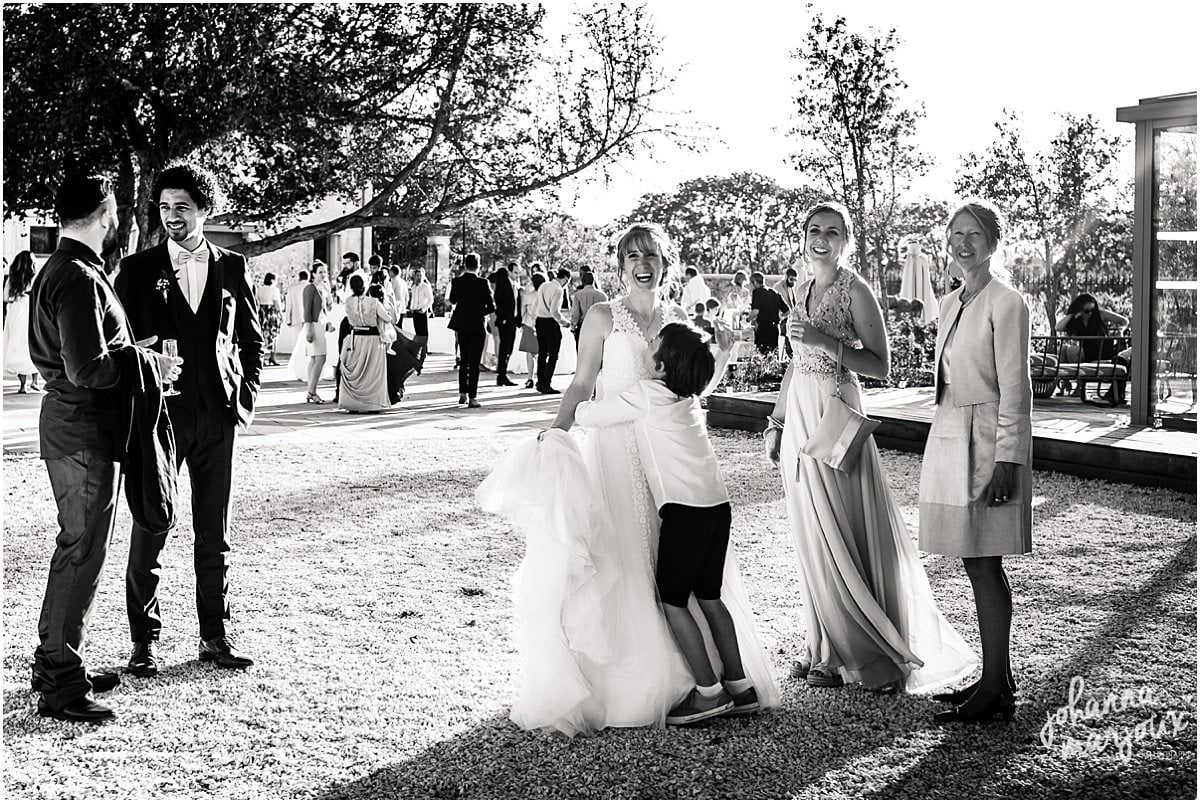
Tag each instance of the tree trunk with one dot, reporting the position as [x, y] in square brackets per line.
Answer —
[1051, 302]
[146, 214]
[126, 195]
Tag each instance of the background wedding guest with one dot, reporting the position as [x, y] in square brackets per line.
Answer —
[363, 377]
[786, 288]
[472, 299]
[506, 299]
[695, 290]
[16, 321]
[584, 299]
[293, 311]
[400, 292]
[869, 615]
[548, 324]
[529, 342]
[420, 305]
[77, 329]
[270, 312]
[737, 299]
[1086, 318]
[314, 305]
[977, 474]
[213, 317]
[767, 307]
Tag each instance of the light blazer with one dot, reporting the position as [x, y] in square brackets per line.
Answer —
[990, 362]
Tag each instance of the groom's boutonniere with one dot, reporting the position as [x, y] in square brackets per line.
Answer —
[163, 285]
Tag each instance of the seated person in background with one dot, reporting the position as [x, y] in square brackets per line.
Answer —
[1084, 318]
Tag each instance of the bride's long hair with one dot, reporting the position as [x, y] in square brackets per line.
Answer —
[638, 236]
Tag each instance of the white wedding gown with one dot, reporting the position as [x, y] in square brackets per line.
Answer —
[596, 650]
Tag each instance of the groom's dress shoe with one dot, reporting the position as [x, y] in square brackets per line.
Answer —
[221, 651]
[143, 661]
[101, 681]
[82, 709]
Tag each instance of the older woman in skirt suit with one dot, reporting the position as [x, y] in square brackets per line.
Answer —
[977, 476]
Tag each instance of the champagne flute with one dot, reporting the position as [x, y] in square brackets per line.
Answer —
[170, 347]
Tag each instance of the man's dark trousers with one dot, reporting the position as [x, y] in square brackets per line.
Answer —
[85, 486]
[766, 338]
[470, 349]
[204, 439]
[504, 349]
[549, 340]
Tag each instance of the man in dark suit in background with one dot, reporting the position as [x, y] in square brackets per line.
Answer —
[199, 295]
[472, 300]
[78, 339]
[766, 307]
[506, 323]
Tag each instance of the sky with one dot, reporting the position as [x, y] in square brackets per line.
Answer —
[966, 62]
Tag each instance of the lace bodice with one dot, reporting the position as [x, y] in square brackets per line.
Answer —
[624, 360]
[832, 317]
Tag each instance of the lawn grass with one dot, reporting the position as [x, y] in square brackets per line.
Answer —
[374, 597]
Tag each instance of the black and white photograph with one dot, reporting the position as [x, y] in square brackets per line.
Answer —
[571, 401]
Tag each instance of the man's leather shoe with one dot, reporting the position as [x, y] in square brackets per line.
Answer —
[505, 381]
[462, 398]
[101, 681]
[548, 390]
[473, 404]
[143, 661]
[83, 709]
[220, 651]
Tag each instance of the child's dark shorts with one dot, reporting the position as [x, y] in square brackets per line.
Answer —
[691, 552]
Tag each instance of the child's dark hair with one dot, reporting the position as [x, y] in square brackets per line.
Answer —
[685, 358]
[375, 291]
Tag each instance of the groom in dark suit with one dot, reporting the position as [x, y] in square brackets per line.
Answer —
[198, 294]
[472, 300]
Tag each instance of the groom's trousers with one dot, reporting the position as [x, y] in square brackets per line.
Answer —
[85, 486]
[204, 439]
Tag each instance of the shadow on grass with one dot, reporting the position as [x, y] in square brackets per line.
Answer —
[989, 778]
[768, 756]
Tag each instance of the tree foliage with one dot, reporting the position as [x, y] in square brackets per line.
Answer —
[722, 223]
[1052, 197]
[853, 130]
[433, 107]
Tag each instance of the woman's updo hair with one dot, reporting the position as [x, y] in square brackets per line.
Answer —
[640, 235]
[986, 215]
[357, 285]
[841, 211]
[989, 218]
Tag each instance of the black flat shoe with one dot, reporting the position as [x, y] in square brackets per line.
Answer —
[83, 709]
[960, 696]
[528, 384]
[221, 652]
[143, 661]
[1003, 705]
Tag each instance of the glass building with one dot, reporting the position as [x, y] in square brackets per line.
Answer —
[1163, 372]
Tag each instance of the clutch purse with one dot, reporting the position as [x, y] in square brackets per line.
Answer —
[839, 437]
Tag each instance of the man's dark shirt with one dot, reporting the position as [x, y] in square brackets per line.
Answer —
[76, 323]
[770, 306]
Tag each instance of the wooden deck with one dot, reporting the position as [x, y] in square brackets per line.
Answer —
[1068, 436]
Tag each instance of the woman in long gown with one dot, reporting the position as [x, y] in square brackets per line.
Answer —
[16, 321]
[916, 280]
[364, 364]
[868, 611]
[597, 650]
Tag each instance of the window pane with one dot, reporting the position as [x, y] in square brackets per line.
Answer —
[1173, 267]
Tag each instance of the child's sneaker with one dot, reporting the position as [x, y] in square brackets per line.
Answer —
[744, 703]
[696, 708]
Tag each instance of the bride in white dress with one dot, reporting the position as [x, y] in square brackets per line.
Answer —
[595, 645]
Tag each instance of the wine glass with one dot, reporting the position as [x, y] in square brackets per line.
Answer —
[170, 347]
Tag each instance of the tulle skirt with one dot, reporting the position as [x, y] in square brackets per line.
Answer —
[595, 648]
[869, 613]
[363, 386]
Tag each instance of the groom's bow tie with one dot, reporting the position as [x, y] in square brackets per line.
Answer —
[199, 257]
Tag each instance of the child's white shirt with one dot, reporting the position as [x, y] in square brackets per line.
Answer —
[672, 435]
